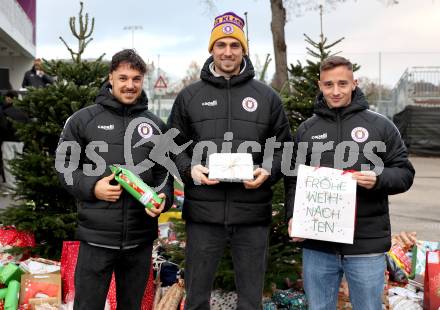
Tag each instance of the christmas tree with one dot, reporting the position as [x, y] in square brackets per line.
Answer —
[43, 206]
[303, 80]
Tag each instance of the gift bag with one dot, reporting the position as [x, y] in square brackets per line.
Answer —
[431, 300]
[419, 258]
[69, 256]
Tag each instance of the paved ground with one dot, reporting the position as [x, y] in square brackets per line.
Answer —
[416, 210]
[419, 208]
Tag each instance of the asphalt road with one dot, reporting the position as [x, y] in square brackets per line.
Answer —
[419, 208]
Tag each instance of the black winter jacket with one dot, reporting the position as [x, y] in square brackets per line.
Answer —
[8, 114]
[124, 222]
[356, 124]
[31, 79]
[205, 111]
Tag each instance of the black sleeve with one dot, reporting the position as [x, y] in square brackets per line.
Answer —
[398, 172]
[179, 120]
[82, 187]
[3, 122]
[25, 82]
[280, 129]
[161, 175]
[47, 79]
[290, 181]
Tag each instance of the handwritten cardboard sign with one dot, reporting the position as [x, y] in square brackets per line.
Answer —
[325, 205]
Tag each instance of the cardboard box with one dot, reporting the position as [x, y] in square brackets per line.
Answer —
[40, 288]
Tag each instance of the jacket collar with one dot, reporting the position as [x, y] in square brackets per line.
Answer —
[106, 99]
[209, 75]
[358, 103]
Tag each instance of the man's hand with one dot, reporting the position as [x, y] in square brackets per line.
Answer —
[153, 212]
[260, 175]
[105, 191]
[366, 179]
[294, 239]
[198, 174]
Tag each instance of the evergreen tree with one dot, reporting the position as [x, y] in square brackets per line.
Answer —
[304, 81]
[43, 206]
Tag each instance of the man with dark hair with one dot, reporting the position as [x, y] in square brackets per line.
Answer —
[10, 144]
[228, 103]
[115, 230]
[36, 76]
[342, 116]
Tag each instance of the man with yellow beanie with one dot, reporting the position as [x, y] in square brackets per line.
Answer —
[229, 111]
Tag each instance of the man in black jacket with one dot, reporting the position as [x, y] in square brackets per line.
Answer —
[228, 104]
[36, 77]
[10, 144]
[115, 230]
[375, 151]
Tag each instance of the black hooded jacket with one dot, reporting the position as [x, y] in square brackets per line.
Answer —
[31, 79]
[323, 132]
[124, 222]
[204, 112]
[8, 114]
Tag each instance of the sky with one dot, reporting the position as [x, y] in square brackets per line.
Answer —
[176, 32]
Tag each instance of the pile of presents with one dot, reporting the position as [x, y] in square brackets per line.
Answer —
[412, 281]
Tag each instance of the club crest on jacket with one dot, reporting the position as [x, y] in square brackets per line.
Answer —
[145, 130]
[359, 134]
[249, 104]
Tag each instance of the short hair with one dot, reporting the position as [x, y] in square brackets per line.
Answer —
[11, 94]
[335, 61]
[130, 57]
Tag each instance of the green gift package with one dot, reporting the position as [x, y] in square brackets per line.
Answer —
[136, 187]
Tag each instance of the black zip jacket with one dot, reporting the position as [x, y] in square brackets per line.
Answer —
[372, 225]
[204, 112]
[31, 79]
[123, 222]
[8, 114]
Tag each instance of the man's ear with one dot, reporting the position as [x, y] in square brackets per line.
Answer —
[110, 78]
[355, 83]
[319, 85]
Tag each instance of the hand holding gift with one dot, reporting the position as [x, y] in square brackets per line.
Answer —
[107, 192]
[198, 174]
[138, 189]
[153, 212]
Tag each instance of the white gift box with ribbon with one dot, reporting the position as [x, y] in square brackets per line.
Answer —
[231, 167]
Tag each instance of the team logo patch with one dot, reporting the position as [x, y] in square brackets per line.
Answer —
[249, 104]
[228, 29]
[145, 130]
[359, 134]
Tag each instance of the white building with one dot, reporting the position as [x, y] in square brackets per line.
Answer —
[17, 41]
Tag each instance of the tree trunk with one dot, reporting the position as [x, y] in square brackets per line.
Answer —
[279, 43]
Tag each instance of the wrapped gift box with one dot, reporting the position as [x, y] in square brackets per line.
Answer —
[231, 167]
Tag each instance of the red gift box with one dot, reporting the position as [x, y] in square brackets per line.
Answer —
[69, 256]
[11, 236]
[432, 281]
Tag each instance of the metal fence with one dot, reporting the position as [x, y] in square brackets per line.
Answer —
[417, 86]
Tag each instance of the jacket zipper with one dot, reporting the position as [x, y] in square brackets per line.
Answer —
[124, 202]
[339, 138]
[229, 129]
